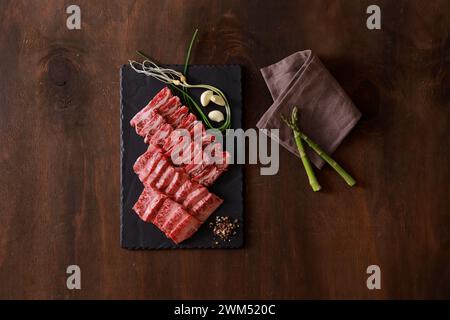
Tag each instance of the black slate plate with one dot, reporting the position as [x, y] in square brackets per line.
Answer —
[136, 91]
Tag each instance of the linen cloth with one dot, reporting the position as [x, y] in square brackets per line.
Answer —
[326, 114]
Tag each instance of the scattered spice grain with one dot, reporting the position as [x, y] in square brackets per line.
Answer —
[224, 228]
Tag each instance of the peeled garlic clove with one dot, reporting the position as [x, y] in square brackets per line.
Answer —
[218, 100]
[216, 116]
[205, 97]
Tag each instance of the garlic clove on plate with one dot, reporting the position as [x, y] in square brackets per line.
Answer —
[217, 100]
[216, 116]
[206, 97]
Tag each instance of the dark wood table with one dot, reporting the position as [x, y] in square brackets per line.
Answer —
[59, 151]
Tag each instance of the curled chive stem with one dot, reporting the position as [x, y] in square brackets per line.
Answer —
[186, 65]
[188, 55]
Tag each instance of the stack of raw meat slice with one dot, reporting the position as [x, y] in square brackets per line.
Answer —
[175, 196]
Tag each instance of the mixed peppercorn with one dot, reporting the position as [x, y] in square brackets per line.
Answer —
[224, 228]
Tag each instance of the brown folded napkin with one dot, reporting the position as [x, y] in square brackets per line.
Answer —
[326, 113]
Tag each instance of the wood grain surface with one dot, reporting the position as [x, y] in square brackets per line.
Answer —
[59, 151]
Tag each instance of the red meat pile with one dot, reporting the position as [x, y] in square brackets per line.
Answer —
[175, 173]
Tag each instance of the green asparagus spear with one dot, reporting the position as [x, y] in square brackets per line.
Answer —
[305, 160]
[293, 125]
